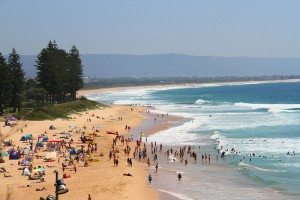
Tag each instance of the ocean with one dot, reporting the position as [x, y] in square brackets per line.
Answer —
[256, 125]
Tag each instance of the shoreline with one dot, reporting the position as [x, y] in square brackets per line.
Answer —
[85, 92]
[262, 191]
[116, 185]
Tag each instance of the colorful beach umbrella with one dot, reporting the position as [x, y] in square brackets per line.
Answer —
[54, 140]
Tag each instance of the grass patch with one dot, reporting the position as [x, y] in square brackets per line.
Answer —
[59, 110]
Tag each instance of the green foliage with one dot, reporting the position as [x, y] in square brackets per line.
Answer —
[36, 94]
[59, 77]
[30, 83]
[5, 84]
[59, 110]
[18, 79]
[75, 73]
[59, 73]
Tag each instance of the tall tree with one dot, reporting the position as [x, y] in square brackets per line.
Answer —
[52, 69]
[5, 84]
[18, 79]
[75, 72]
[45, 73]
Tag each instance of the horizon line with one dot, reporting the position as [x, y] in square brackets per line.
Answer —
[180, 54]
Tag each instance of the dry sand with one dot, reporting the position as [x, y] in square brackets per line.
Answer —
[101, 179]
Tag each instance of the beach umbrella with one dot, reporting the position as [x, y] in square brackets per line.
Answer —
[45, 138]
[39, 144]
[26, 137]
[73, 151]
[54, 140]
[14, 155]
[26, 172]
[25, 162]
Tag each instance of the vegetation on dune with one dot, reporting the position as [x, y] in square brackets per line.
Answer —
[59, 110]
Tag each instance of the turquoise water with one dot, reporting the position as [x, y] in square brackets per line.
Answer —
[254, 119]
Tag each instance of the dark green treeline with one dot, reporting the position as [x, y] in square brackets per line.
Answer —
[59, 73]
[59, 77]
[11, 81]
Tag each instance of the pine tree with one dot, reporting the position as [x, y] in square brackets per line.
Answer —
[5, 84]
[52, 67]
[75, 72]
[61, 75]
[45, 73]
[18, 79]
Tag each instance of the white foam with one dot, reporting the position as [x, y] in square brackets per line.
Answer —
[271, 107]
[227, 120]
[261, 146]
[216, 135]
[178, 135]
[245, 165]
[177, 195]
[201, 102]
[294, 165]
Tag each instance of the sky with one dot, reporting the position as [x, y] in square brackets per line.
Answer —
[231, 28]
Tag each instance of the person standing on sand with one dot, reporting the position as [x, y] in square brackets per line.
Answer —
[179, 176]
[156, 167]
[89, 198]
[150, 179]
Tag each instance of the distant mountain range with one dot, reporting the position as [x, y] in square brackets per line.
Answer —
[176, 65]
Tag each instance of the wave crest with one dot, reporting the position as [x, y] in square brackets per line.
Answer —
[202, 102]
[245, 165]
[271, 107]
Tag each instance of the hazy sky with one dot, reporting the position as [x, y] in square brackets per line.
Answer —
[213, 27]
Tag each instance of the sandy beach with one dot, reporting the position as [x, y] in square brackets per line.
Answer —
[100, 179]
